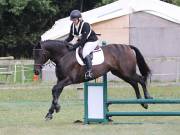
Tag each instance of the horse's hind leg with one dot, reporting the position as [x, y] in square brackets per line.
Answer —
[136, 89]
[143, 84]
[139, 79]
[134, 84]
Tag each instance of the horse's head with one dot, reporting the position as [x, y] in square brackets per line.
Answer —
[49, 49]
[40, 57]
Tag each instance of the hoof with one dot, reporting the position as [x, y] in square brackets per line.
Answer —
[57, 108]
[48, 117]
[110, 120]
[145, 106]
[148, 97]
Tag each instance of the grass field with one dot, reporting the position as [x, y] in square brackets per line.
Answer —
[22, 112]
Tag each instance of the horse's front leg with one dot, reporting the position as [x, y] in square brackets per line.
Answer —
[56, 91]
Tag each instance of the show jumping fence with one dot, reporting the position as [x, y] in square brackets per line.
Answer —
[96, 104]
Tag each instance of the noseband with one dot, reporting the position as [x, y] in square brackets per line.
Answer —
[43, 55]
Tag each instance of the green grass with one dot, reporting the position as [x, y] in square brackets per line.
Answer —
[22, 112]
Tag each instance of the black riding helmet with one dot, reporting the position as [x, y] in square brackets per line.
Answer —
[75, 14]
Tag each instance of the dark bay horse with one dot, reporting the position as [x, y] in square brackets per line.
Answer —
[120, 60]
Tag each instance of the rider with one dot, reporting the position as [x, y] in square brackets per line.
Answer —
[86, 38]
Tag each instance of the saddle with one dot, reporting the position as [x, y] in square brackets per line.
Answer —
[91, 54]
[97, 56]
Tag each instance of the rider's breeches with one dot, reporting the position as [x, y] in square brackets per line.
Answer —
[89, 47]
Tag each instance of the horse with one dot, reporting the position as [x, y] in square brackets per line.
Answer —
[119, 59]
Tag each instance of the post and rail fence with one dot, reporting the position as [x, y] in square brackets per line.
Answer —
[97, 102]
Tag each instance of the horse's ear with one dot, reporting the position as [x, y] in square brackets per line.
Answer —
[37, 45]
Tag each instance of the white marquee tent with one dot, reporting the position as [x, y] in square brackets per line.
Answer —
[116, 9]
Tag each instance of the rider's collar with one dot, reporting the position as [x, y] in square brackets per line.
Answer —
[77, 26]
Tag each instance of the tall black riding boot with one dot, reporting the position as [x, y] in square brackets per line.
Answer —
[88, 62]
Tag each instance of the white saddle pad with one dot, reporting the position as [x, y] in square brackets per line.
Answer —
[98, 57]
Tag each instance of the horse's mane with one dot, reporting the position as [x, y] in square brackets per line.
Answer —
[53, 43]
[47, 42]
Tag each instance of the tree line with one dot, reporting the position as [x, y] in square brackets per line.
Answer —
[22, 22]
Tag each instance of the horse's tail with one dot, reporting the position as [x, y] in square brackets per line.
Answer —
[143, 67]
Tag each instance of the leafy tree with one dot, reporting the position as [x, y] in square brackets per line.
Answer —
[22, 22]
[90, 4]
[104, 2]
[175, 2]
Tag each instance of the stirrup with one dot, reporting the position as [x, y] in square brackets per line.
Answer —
[88, 75]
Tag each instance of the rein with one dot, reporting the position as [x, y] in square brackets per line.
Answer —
[35, 50]
[43, 55]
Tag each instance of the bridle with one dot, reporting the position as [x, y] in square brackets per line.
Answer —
[44, 55]
[40, 65]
